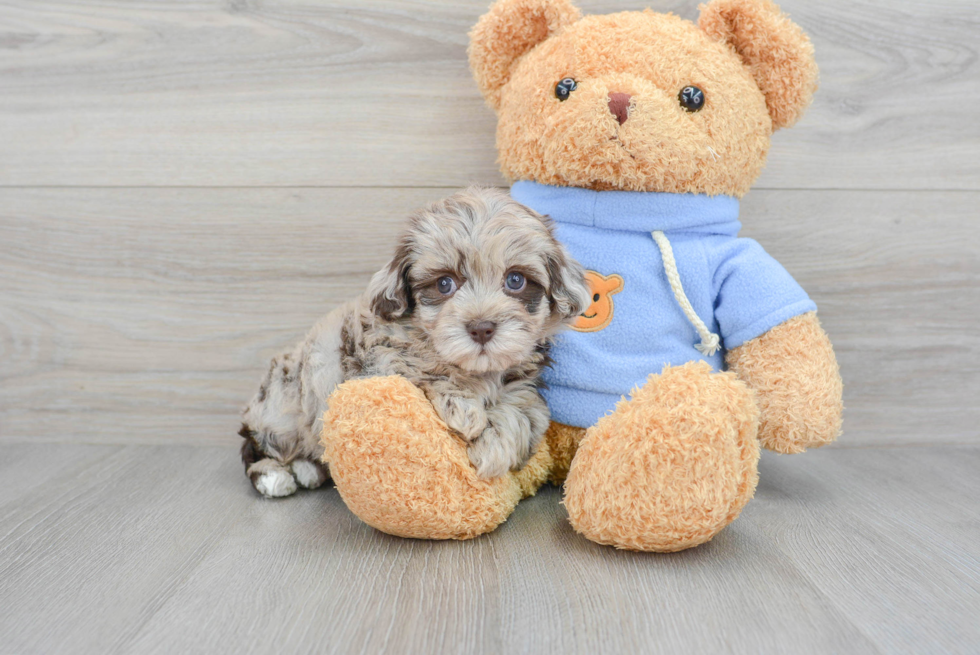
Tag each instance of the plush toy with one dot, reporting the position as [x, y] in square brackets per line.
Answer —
[637, 132]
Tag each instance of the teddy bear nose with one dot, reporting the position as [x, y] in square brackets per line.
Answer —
[619, 105]
[481, 332]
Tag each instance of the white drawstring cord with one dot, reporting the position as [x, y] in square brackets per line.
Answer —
[710, 342]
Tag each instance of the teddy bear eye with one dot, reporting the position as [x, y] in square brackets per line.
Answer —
[691, 98]
[564, 88]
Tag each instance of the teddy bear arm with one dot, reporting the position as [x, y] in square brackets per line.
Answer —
[400, 470]
[795, 375]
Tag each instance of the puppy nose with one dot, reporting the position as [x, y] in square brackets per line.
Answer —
[481, 332]
[619, 105]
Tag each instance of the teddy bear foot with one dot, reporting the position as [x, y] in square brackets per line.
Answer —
[400, 470]
[670, 467]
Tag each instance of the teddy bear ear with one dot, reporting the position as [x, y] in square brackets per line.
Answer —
[777, 52]
[506, 33]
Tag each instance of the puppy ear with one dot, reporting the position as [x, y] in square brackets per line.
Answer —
[569, 293]
[777, 52]
[506, 33]
[389, 289]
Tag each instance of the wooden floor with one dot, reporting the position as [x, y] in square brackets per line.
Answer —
[167, 549]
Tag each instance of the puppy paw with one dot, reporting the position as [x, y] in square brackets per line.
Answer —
[309, 475]
[492, 456]
[463, 415]
[274, 483]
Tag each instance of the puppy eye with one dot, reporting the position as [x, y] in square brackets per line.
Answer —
[515, 281]
[564, 88]
[691, 98]
[446, 285]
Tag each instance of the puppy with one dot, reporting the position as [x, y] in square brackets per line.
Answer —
[466, 310]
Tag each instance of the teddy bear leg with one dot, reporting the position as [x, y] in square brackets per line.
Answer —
[670, 467]
[563, 441]
[400, 470]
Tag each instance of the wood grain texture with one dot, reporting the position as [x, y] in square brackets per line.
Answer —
[168, 549]
[88, 559]
[142, 315]
[896, 277]
[377, 93]
[885, 504]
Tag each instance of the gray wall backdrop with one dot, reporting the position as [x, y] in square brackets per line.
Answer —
[186, 186]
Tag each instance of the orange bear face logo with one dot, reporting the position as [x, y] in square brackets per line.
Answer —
[600, 313]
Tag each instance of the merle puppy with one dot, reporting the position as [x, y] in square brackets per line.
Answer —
[465, 310]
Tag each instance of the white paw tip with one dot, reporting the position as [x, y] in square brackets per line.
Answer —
[307, 473]
[276, 484]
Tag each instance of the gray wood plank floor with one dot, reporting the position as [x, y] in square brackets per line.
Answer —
[167, 549]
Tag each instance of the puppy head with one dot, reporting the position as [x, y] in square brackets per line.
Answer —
[483, 278]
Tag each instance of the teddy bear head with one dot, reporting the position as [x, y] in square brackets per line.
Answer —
[640, 101]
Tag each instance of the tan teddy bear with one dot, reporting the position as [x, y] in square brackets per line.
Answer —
[637, 132]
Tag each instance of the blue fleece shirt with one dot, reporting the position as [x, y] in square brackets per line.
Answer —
[734, 286]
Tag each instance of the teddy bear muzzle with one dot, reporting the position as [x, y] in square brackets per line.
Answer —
[619, 105]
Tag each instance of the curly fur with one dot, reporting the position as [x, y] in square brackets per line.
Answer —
[563, 441]
[671, 466]
[755, 67]
[399, 470]
[674, 464]
[793, 361]
[485, 391]
[778, 53]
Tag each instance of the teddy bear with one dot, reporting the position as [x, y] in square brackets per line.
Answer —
[637, 133]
